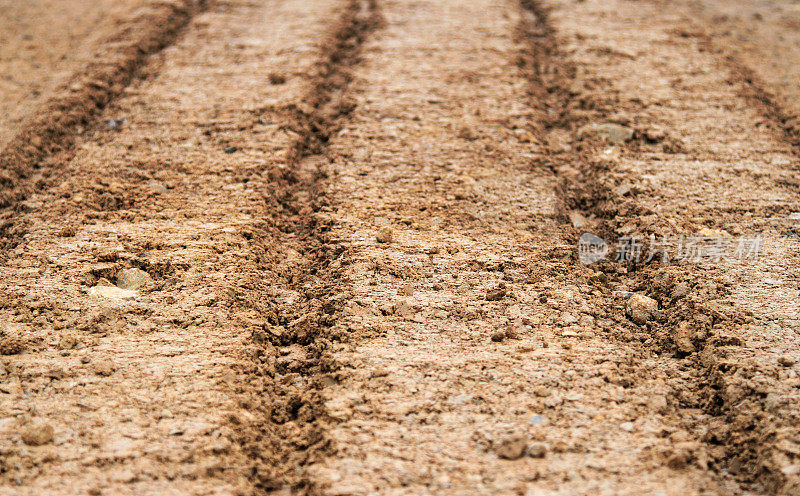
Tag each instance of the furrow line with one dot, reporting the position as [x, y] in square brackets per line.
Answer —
[291, 347]
[704, 332]
[55, 126]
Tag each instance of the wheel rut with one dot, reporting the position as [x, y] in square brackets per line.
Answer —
[710, 337]
[292, 362]
[56, 125]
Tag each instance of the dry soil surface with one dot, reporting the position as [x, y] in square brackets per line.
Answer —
[332, 247]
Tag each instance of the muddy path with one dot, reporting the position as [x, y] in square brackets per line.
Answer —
[331, 247]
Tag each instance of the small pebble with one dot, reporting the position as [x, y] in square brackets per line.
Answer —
[511, 447]
[641, 308]
[231, 149]
[787, 361]
[385, 235]
[495, 294]
[37, 433]
[537, 419]
[104, 368]
[275, 78]
[537, 450]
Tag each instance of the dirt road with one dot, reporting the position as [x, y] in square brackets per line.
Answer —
[332, 247]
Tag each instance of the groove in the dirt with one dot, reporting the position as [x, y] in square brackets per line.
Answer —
[740, 440]
[290, 358]
[751, 87]
[756, 435]
[53, 128]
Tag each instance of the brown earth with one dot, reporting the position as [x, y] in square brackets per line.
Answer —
[331, 247]
[43, 43]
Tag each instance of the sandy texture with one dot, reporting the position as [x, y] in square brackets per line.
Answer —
[331, 247]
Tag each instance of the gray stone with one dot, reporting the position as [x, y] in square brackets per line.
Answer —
[133, 278]
[385, 235]
[613, 132]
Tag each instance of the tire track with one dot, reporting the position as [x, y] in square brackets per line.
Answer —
[41, 45]
[292, 346]
[587, 187]
[469, 334]
[53, 128]
[709, 328]
[162, 390]
[763, 43]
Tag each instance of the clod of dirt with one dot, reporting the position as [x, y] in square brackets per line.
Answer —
[221, 446]
[655, 135]
[679, 459]
[658, 403]
[406, 289]
[495, 294]
[403, 309]
[467, 132]
[612, 132]
[680, 290]
[511, 447]
[641, 308]
[385, 235]
[133, 279]
[537, 450]
[37, 433]
[683, 338]
[275, 78]
[67, 342]
[104, 368]
[499, 336]
[11, 345]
